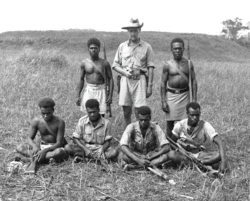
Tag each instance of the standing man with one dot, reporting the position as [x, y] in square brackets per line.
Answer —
[175, 85]
[93, 69]
[134, 62]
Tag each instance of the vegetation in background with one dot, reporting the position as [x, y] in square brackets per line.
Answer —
[37, 64]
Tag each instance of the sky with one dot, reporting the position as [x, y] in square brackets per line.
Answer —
[181, 16]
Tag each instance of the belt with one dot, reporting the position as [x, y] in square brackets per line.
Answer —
[177, 91]
[135, 77]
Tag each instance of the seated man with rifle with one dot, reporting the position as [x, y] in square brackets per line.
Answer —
[92, 136]
[51, 129]
[143, 143]
[99, 79]
[190, 135]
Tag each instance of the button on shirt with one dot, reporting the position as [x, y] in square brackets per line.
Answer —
[207, 132]
[133, 138]
[134, 57]
[93, 135]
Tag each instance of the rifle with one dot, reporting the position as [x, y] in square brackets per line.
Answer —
[190, 76]
[153, 169]
[199, 166]
[108, 106]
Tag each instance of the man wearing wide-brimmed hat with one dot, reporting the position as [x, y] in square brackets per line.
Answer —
[134, 62]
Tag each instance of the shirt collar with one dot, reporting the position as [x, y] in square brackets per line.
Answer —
[139, 44]
[100, 122]
[137, 126]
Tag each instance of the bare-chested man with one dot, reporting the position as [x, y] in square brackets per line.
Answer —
[93, 69]
[51, 130]
[174, 87]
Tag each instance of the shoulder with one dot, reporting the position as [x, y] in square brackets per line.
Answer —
[83, 119]
[105, 62]
[124, 44]
[106, 121]
[181, 122]
[207, 125]
[35, 122]
[59, 120]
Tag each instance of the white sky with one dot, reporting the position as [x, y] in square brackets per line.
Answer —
[187, 16]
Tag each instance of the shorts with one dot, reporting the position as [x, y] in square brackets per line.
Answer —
[133, 92]
[96, 92]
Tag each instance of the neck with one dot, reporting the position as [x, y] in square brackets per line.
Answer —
[192, 125]
[96, 121]
[95, 58]
[135, 42]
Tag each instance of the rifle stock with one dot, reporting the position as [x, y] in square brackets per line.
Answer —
[190, 76]
[200, 166]
[108, 106]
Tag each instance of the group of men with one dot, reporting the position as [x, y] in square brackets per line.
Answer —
[143, 142]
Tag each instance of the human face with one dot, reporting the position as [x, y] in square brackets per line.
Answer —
[193, 116]
[177, 49]
[94, 51]
[47, 113]
[93, 113]
[144, 121]
[134, 34]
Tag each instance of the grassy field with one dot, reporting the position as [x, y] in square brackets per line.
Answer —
[38, 64]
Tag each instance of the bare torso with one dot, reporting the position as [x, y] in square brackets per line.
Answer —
[92, 75]
[46, 136]
[175, 80]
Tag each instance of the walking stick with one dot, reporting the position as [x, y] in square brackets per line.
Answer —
[108, 106]
[190, 76]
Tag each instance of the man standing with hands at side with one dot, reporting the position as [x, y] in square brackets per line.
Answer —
[175, 85]
[134, 62]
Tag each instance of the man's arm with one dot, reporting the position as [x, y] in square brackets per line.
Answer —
[142, 162]
[110, 82]
[81, 144]
[223, 165]
[59, 141]
[32, 135]
[80, 84]
[164, 80]
[194, 85]
[163, 150]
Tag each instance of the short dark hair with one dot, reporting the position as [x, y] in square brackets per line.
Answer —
[94, 41]
[92, 103]
[144, 110]
[46, 103]
[193, 105]
[177, 40]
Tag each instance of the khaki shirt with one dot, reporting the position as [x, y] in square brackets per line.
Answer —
[93, 135]
[131, 57]
[133, 138]
[207, 132]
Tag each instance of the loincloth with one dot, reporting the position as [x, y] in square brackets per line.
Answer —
[96, 92]
[177, 105]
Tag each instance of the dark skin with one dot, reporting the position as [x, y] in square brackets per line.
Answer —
[93, 76]
[146, 160]
[174, 80]
[58, 126]
[94, 117]
[193, 119]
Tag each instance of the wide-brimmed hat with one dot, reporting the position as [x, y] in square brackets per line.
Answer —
[134, 24]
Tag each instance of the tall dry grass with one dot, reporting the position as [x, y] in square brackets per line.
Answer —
[31, 72]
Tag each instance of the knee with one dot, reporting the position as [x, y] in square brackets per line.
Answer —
[68, 148]
[172, 155]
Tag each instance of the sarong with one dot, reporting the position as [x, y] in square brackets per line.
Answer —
[94, 91]
[177, 105]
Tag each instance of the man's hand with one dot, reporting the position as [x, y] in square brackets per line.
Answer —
[143, 162]
[149, 91]
[223, 167]
[78, 102]
[165, 107]
[109, 100]
[41, 155]
[127, 74]
[35, 150]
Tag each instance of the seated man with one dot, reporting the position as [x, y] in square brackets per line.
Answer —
[143, 142]
[51, 130]
[192, 133]
[92, 135]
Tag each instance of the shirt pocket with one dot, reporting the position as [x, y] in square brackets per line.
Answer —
[100, 137]
[87, 134]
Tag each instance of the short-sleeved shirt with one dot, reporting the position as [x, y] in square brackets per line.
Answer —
[133, 138]
[198, 135]
[131, 57]
[93, 135]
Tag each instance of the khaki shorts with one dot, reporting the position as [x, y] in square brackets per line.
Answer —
[133, 92]
[97, 92]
